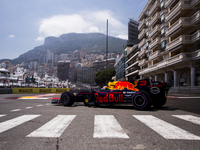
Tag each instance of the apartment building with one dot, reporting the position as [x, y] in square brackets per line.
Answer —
[63, 70]
[132, 63]
[169, 47]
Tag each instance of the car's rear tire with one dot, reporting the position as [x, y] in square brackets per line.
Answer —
[140, 101]
[67, 99]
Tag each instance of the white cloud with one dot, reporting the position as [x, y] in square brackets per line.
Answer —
[11, 36]
[85, 22]
[40, 39]
[123, 37]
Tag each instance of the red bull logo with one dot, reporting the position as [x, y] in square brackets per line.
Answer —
[120, 85]
[108, 98]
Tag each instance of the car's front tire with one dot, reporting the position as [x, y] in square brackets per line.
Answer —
[67, 99]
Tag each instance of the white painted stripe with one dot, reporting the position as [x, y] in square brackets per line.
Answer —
[2, 115]
[4, 126]
[53, 128]
[165, 129]
[47, 104]
[29, 107]
[106, 126]
[15, 110]
[39, 105]
[189, 118]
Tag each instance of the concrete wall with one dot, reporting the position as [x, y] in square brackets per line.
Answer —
[5, 91]
[186, 90]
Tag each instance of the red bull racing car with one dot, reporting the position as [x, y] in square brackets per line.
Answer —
[142, 94]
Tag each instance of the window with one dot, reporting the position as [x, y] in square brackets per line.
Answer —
[147, 33]
[163, 31]
[163, 44]
[147, 23]
[162, 4]
[147, 12]
[162, 18]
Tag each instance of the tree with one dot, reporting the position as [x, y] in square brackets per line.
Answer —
[103, 77]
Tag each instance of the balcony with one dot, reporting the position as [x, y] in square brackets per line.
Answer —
[182, 23]
[142, 43]
[181, 6]
[195, 55]
[155, 43]
[142, 25]
[154, 8]
[134, 72]
[142, 53]
[142, 34]
[154, 55]
[195, 19]
[155, 30]
[169, 3]
[195, 3]
[136, 54]
[195, 37]
[183, 39]
[179, 58]
[142, 62]
[155, 19]
[135, 63]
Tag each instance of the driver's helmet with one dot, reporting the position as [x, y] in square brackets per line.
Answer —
[105, 87]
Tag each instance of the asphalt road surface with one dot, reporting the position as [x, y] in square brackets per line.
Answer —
[31, 122]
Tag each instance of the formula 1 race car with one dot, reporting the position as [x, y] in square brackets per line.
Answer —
[141, 93]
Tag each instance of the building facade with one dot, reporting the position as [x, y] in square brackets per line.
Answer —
[170, 42]
[133, 32]
[132, 68]
[63, 70]
[86, 75]
[120, 67]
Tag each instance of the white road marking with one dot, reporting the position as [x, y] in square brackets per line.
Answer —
[53, 128]
[4, 126]
[106, 126]
[29, 107]
[47, 104]
[189, 118]
[15, 110]
[165, 129]
[39, 105]
[2, 115]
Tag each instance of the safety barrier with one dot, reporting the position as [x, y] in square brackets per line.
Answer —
[38, 90]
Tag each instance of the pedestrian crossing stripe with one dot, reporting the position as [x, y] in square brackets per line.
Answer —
[53, 128]
[4, 126]
[190, 118]
[106, 126]
[2, 115]
[166, 130]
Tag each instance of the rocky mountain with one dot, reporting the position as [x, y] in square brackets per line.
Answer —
[67, 43]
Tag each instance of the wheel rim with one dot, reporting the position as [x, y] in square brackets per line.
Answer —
[139, 100]
[66, 98]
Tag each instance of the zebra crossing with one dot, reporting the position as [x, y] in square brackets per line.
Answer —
[105, 126]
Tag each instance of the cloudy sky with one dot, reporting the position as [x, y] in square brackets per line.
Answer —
[25, 23]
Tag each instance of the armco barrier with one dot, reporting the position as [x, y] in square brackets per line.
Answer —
[38, 90]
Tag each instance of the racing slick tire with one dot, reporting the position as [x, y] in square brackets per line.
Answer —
[140, 101]
[67, 98]
[159, 103]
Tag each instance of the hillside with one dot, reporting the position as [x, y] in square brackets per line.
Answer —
[66, 43]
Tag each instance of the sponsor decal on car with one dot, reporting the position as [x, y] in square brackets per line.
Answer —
[120, 85]
[108, 98]
[154, 90]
